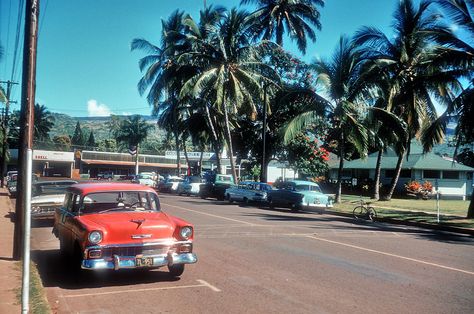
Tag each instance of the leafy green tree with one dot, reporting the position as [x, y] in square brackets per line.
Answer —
[62, 142]
[78, 137]
[297, 18]
[107, 145]
[307, 157]
[91, 141]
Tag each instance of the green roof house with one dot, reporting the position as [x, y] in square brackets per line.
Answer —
[454, 180]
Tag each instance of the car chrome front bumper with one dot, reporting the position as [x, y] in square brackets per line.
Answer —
[121, 262]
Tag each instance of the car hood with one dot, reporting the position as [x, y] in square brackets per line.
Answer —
[130, 227]
[53, 198]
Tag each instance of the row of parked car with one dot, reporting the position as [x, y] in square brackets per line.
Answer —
[293, 194]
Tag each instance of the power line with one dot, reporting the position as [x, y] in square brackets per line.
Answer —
[42, 18]
[8, 36]
[17, 37]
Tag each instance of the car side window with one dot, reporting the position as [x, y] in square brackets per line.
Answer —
[75, 203]
[155, 202]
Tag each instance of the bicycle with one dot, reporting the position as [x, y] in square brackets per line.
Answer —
[364, 211]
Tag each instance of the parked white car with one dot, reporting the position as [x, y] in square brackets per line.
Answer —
[145, 178]
[190, 185]
[248, 191]
[47, 196]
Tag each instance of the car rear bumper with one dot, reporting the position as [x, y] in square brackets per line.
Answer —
[127, 262]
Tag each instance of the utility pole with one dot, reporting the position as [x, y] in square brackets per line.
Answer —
[5, 131]
[263, 168]
[25, 152]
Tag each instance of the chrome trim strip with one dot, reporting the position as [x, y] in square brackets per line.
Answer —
[129, 261]
[166, 242]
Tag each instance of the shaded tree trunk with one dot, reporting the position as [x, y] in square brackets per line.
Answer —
[470, 210]
[188, 172]
[341, 168]
[136, 162]
[395, 178]
[229, 145]
[378, 166]
[200, 160]
[178, 157]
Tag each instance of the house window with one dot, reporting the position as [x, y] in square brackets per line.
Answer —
[405, 173]
[431, 174]
[451, 175]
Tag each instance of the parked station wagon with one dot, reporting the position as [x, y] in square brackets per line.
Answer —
[299, 194]
[248, 191]
[121, 225]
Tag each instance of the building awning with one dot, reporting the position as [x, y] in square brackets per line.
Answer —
[129, 163]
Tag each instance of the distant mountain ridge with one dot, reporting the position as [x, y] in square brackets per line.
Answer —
[65, 125]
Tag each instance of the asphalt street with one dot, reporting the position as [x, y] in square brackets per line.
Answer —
[257, 260]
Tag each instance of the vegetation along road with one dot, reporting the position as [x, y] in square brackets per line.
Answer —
[257, 260]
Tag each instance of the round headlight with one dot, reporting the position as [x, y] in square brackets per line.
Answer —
[95, 237]
[186, 232]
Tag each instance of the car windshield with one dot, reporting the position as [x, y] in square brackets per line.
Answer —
[224, 178]
[144, 176]
[119, 201]
[49, 188]
[307, 187]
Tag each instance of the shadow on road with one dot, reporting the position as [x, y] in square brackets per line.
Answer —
[55, 273]
[361, 225]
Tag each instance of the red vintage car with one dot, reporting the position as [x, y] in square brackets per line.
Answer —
[121, 225]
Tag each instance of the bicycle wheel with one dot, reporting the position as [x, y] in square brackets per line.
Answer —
[371, 213]
[359, 212]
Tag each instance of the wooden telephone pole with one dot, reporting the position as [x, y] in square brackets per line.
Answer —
[25, 151]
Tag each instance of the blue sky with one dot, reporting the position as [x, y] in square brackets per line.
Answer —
[84, 63]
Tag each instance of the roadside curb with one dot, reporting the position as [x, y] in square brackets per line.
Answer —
[423, 225]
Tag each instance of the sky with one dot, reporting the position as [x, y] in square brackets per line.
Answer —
[84, 63]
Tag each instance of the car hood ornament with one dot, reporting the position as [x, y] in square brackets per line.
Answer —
[139, 222]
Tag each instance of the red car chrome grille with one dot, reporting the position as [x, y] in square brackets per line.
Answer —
[135, 250]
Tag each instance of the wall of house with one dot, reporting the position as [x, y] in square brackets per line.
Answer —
[273, 173]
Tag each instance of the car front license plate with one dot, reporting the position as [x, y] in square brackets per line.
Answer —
[144, 261]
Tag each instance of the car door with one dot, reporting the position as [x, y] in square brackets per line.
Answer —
[66, 220]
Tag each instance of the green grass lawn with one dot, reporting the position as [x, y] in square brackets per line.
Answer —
[452, 212]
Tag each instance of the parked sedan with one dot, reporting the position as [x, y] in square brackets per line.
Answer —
[248, 191]
[145, 179]
[47, 197]
[121, 226]
[190, 186]
[299, 194]
[170, 185]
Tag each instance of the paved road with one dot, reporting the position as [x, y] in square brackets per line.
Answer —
[256, 260]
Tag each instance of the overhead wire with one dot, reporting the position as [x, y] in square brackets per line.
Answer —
[8, 37]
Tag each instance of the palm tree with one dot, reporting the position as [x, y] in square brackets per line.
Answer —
[462, 56]
[132, 132]
[340, 79]
[230, 71]
[273, 18]
[44, 122]
[412, 63]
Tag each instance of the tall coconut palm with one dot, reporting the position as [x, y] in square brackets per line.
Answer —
[297, 18]
[162, 78]
[412, 62]
[339, 77]
[131, 132]
[44, 122]
[461, 52]
[231, 72]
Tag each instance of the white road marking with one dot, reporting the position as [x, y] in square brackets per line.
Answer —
[213, 288]
[393, 255]
[203, 284]
[211, 215]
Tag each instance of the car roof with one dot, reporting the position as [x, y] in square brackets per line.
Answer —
[301, 182]
[54, 182]
[86, 188]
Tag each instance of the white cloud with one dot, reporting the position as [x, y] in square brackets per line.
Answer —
[126, 113]
[95, 109]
